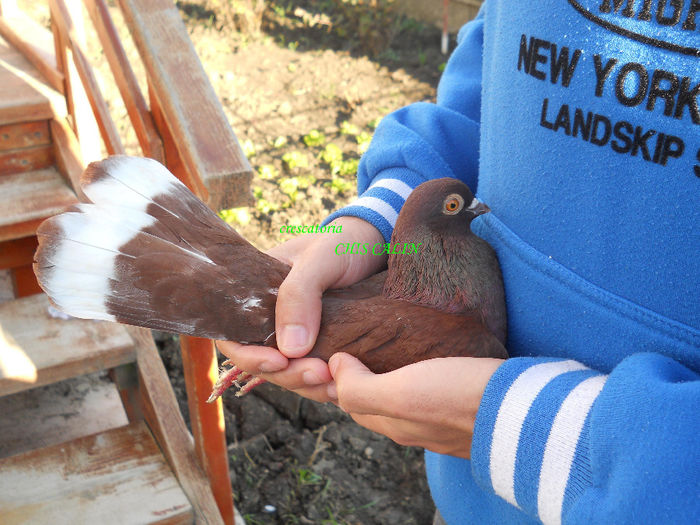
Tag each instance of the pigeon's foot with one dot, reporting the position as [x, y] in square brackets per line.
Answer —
[234, 376]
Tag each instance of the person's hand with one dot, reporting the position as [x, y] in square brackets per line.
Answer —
[430, 404]
[315, 268]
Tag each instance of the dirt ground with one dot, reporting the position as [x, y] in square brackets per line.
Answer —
[304, 84]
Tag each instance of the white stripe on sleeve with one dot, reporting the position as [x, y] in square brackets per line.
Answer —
[509, 422]
[378, 206]
[561, 447]
[397, 186]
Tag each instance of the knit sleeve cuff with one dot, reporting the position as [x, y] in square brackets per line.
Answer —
[530, 443]
[382, 200]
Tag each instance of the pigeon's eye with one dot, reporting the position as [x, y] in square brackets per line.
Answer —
[453, 204]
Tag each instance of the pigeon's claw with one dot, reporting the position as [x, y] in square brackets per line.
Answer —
[249, 385]
[227, 377]
[244, 381]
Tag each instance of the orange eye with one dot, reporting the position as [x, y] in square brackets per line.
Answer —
[453, 204]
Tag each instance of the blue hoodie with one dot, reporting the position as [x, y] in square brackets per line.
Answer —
[578, 122]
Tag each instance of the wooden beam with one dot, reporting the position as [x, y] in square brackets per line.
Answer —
[165, 421]
[62, 18]
[18, 252]
[201, 368]
[206, 143]
[124, 76]
[68, 155]
[35, 43]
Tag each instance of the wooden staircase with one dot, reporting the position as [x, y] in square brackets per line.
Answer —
[119, 452]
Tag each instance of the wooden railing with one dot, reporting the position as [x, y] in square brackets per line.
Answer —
[182, 125]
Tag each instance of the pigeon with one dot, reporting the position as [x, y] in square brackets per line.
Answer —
[148, 252]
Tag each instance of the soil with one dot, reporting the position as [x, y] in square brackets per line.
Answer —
[304, 84]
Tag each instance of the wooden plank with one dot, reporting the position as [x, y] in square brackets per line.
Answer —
[68, 155]
[61, 16]
[24, 95]
[35, 43]
[25, 282]
[114, 477]
[18, 252]
[28, 198]
[26, 159]
[57, 413]
[165, 421]
[38, 349]
[206, 143]
[24, 135]
[207, 419]
[80, 114]
[126, 81]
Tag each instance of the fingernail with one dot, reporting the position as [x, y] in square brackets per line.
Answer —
[311, 378]
[268, 366]
[333, 363]
[294, 337]
[332, 391]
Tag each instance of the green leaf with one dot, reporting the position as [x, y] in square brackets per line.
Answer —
[268, 172]
[248, 148]
[295, 159]
[314, 138]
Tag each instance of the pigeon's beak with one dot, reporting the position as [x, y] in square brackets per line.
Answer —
[478, 208]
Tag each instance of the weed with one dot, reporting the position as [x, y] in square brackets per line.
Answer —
[306, 476]
[332, 153]
[314, 138]
[295, 159]
[268, 172]
[339, 185]
[248, 148]
[289, 186]
[372, 124]
[279, 142]
[363, 141]
[346, 128]
[236, 215]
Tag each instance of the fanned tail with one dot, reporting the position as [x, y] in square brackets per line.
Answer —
[148, 252]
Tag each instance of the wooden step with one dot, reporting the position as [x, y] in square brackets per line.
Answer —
[118, 476]
[24, 94]
[28, 198]
[37, 349]
[60, 412]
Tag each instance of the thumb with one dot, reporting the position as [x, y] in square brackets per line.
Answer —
[359, 390]
[298, 309]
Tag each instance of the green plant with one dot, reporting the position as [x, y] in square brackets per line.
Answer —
[363, 141]
[268, 172]
[248, 148]
[279, 142]
[295, 159]
[236, 215]
[308, 477]
[289, 186]
[314, 138]
[346, 128]
[332, 153]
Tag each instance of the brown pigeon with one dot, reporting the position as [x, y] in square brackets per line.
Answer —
[147, 252]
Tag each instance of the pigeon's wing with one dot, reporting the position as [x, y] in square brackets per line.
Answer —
[386, 334]
[148, 252]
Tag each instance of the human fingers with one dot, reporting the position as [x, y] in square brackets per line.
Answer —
[315, 268]
[253, 359]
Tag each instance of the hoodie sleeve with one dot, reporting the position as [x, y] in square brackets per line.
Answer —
[424, 141]
[566, 444]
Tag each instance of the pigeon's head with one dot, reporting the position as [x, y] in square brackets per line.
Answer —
[442, 205]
